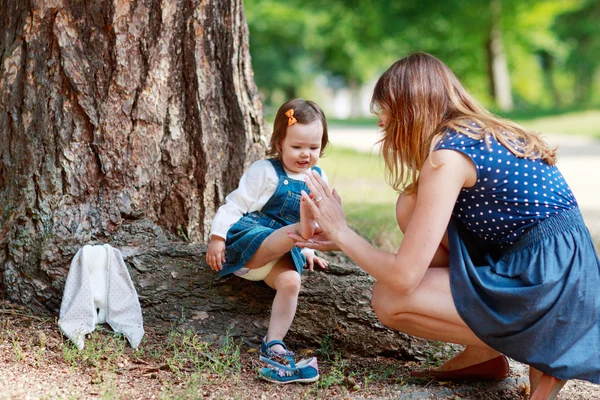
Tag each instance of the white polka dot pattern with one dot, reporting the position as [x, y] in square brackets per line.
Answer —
[511, 193]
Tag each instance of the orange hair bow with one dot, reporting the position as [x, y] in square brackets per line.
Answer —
[290, 114]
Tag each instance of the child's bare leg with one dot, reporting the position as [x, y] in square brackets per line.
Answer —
[307, 221]
[286, 281]
[273, 247]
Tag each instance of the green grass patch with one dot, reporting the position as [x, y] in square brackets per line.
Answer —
[369, 202]
[376, 223]
[566, 121]
[191, 354]
[362, 122]
[530, 113]
[584, 123]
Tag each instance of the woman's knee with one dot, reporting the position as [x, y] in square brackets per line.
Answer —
[388, 307]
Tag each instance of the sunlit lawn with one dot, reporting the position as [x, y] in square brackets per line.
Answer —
[585, 123]
[368, 200]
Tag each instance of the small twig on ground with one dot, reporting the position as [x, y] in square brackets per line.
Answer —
[21, 314]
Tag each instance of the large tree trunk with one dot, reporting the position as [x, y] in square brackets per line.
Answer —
[127, 122]
[113, 111]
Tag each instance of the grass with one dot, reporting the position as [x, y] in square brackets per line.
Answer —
[175, 363]
[369, 202]
[103, 354]
[566, 121]
[583, 123]
[192, 355]
[197, 367]
[17, 348]
[527, 113]
[186, 355]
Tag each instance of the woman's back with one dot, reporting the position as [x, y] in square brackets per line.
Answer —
[511, 193]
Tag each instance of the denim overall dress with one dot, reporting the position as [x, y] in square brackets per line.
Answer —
[282, 209]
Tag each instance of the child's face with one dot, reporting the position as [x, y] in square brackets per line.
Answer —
[301, 148]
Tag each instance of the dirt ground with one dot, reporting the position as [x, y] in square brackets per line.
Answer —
[37, 362]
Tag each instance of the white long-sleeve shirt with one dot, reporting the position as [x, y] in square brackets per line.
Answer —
[256, 187]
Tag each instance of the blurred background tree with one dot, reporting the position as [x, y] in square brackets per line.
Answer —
[578, 30]
[534, 55]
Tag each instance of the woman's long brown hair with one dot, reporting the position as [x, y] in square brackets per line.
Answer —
[420, 99]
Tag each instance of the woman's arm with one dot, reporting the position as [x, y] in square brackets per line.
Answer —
[439, 187]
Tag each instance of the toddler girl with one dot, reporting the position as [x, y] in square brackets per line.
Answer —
[249, 232]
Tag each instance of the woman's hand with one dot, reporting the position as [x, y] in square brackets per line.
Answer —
[319, 241]
[215, 255]
[326, 206]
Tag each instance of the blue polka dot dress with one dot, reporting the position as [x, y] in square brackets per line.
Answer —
[524, 274]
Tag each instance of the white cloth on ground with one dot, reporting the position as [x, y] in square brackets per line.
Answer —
[99, 289]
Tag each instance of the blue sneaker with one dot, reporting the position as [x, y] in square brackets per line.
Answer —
[305, 371]
[266, 352]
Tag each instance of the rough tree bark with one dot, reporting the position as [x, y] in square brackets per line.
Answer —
[127, 122]
[114, 111]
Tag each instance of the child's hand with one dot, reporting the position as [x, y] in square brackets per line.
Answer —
[312, 260]
[215, 255]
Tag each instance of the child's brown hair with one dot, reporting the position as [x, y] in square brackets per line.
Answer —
[420, 99]
[305, 112]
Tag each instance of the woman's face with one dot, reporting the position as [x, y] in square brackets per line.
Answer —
[383, 120]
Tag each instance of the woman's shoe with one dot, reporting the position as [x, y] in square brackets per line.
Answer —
[305, 371]
[491, 370]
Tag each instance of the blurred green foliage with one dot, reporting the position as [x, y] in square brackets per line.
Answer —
[552, 46]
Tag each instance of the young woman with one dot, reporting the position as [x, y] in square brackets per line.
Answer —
[495, 254]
